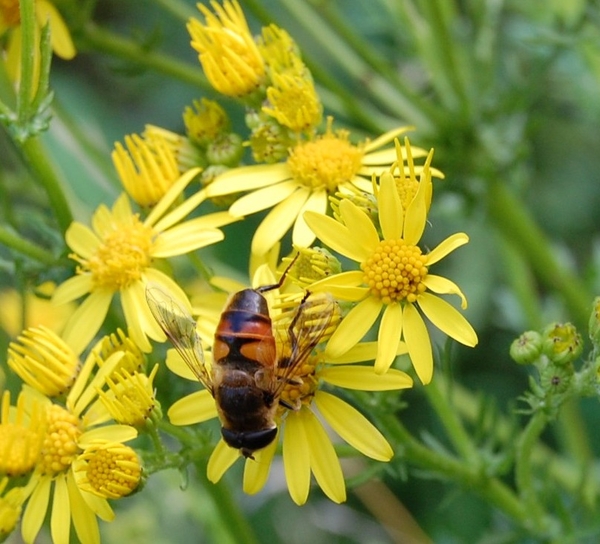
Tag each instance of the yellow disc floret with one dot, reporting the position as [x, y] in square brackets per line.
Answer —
[394, 272]
[122, 257]
[326, 162]
[60, 448]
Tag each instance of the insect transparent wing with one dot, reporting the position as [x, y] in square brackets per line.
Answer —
[180, 328]
[312, 321]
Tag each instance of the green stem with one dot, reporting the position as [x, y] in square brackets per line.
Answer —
[523, 466]
[107, 42]
[27, 60]
[231, 517]
[38, 162]
[25, 247]
[512, 218]
[448, 415]
[488, 487]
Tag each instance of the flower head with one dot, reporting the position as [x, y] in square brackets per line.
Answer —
[70, 429]
[394, 277]
[11, 502]
[229, 56]
[117, 255]
[315, 169]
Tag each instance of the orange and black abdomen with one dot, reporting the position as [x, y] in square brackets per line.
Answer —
[245, 333]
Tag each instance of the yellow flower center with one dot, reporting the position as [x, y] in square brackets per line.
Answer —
[122, 257]
[407, 189]
[10, 14]
[59, 448]
[113, 471]
[19, 449]
[301, 386]
[327, 162]
[395, 270]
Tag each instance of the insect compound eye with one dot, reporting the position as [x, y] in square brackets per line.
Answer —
[249, 441]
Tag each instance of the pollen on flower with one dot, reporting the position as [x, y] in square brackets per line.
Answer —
[301, 385]
[326, 162]
[59, 448]
[394, 271]
[110, 470]
[121, 258]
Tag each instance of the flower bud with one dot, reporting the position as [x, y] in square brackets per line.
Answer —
[561, 343]
[227, 150]
[526, 349]
[595, 322]
[556, 378]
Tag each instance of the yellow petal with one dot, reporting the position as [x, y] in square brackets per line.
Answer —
[87, 320]
[296, 458]
[170, 197]
[72, 289]
[444, 286]
[353, 327]
[353, 427]
[335, 235]
[415, 216]
[112, 433]
[248, 178]
[177, 365]
[60, 520]
[385, 139]
[278, 222]
[183, 239]
[448, 319]
[84, 518]
[194, 408]
[262, 198]
[82, 240]
[390, 332]
[343, 286]
[256, 471]
[220, 461]
[418, 343]
[391, 214]
[324, 462]
[60, 37]
[133, 302]
[36, 508]
[364, 378]
[362, 230]
[447, 246]
[302, 235]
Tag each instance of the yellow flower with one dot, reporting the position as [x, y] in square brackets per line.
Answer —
[109, 470]
[117, 255]
[36, 307]
[10, 508]
[22, 431]
[43, 361]
[306, 445]
[393, 277]
[147, 169]
[70, 430]
[45, 12]
[314, 170]
[228, 54]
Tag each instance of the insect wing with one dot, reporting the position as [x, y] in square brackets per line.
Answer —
[180, 328]
[311, 322]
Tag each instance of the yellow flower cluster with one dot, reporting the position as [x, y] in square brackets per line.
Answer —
[279, 361]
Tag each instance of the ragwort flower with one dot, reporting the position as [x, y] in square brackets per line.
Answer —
[393, 277]
[116, 256]
[314, 170]
[69, 430]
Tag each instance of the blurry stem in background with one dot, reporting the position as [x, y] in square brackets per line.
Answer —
[386, 94]
[102, 40]
[510, 216]
[522, 283]
[230, 517]
[25, 247]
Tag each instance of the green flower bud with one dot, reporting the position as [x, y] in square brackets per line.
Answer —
[526, 349]
[562, 344]
[556, 379]
[227, 150]
[595, 322]
[270, 142]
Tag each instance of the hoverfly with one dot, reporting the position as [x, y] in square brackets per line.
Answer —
[248, 374]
